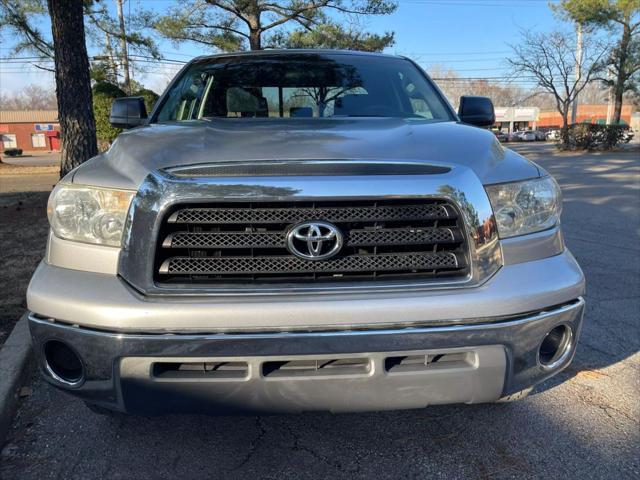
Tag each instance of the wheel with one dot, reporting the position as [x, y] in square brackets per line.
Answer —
[97, 409]
[514, 397]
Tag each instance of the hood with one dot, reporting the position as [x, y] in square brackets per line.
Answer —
[137, 152]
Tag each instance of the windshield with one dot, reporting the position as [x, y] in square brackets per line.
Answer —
[302, 86]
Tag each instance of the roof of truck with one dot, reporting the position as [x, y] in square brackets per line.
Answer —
[296, 51]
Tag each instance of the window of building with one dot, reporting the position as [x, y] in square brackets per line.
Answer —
[38, 140]
[9, 140]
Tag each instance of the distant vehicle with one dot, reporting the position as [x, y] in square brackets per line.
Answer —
[528, 136]
[540, 135]
[515, 137]
[553, 135]
[501, 136]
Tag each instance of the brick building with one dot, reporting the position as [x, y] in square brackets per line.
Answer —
[30, 130]
[586, 114]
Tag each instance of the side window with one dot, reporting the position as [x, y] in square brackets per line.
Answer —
[185, 102]
[421, 107]
[247, 102]
[300, 102]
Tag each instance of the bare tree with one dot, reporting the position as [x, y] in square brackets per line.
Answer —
[550, 58]
[454, 86]
[31, 97]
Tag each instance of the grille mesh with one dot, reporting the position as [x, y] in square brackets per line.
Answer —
[396, 236]
[226, 240]
[283, 215]
[401, 236]
[246, 243]
[354, 263]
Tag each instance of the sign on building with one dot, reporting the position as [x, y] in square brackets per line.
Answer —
[44, 127]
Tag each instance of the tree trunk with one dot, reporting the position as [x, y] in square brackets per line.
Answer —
[255, 26]
[564, 131]
[123, 48]
[73, 84]
[255, 40]
[618, 89]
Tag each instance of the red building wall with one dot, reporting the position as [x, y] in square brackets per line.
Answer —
[586, 113]
[23, 132]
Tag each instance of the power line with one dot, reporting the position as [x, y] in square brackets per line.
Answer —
[137, 58]
[494, 52]
[467, 3]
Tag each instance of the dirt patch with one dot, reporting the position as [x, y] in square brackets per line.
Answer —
[23, 237]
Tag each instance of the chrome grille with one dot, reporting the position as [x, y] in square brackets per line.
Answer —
[291, 264]
[279, 215]
[246, 243]
[382, 236]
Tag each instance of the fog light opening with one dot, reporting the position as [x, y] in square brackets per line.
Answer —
[63, 363]
[555, 347]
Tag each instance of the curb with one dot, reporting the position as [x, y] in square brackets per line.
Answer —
[15, 357]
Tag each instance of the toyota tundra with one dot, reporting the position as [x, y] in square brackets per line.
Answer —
[303, 230]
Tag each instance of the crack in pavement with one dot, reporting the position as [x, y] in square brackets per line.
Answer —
[253, 446]
[298, 446]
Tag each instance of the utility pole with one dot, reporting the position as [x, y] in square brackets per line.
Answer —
[123, 48]
[610, 97]
[112, 67]
[578, 73]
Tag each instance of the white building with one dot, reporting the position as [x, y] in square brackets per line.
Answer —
[511, 119]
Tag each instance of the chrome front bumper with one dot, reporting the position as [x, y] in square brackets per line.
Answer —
[106, 302]
[471, 363]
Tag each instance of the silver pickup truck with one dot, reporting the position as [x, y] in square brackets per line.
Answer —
[303, 230]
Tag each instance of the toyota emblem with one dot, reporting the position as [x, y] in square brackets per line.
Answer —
[314, 240]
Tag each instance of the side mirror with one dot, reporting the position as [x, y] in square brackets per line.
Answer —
[127, 112]
[476, 111]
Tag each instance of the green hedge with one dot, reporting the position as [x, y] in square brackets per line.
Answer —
[103, 95]
[150, 98]
[588, 136]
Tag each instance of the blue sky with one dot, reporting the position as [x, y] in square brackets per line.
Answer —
[470, 36]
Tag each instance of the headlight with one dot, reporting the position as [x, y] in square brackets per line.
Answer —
[525, 207]
[88, 214]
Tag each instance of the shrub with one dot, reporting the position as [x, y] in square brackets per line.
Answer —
[588, 136]
[103, 95]
[150, 98]
[13, 152]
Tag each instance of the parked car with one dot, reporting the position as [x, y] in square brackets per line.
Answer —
[515, 136]
[553, 135]
[541, 135]
[528, 136]
[501, 136]
[232, 252]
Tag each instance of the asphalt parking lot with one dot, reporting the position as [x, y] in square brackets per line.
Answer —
[582, 424]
